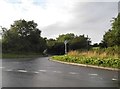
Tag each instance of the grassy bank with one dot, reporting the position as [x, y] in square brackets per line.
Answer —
[90, 58]
[21, 55]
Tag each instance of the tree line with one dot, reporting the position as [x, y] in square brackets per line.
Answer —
[24, 36]
[74, 43]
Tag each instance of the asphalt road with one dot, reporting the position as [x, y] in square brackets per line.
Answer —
[41, 72]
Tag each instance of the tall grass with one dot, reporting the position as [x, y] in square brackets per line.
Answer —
[99, 53]
[108, 57]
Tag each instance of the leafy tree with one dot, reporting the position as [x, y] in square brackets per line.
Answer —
[103, 44]
[63, 37]
[74, 42]
[112, 36]
[50, 45]
[23, 36]
[80, 42]
[55, 47]
[51, 42]
[95, 45]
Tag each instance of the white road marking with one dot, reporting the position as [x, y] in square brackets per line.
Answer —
[93, 74]
[2, 67]
[24, 71]
[73, 73]
[93, 77]
[42, 70]
[57, 71]
[114, 79]
[101, 78]
[9, 70]
[36, 72]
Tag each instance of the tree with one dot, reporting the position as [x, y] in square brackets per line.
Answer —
[112, 36]
[79, 42]
[23, 36]
[74, 43]
[95, 45]
[50, 45]
[63, 37]
[55, 47]
[103, 44]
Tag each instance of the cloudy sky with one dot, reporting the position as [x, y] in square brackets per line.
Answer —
[56, 17]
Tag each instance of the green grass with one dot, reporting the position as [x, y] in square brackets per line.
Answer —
[104, 62]
[20, 55]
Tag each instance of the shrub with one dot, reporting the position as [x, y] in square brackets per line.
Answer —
[105, 62]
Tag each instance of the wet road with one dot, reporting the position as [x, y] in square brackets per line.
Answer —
[41, 72]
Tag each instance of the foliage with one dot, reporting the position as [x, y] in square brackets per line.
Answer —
[95, 45]
[20, 55]
[106, 62]
[23, 36]
[63, 37]
[112, 36]
[80, 42]
[107, 57]
[74, 43]
[100, 53]
[54, 47]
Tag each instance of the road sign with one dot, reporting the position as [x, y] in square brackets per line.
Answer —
[66, 41]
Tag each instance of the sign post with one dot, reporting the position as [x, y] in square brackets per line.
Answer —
[65, 42]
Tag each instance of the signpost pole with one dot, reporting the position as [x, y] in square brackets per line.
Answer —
[65, 42]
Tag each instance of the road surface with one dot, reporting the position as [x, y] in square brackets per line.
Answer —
[41, 72]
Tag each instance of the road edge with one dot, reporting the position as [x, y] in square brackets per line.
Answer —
[85, 65]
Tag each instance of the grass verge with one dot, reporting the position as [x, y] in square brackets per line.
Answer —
[103, 62]
[25, 55]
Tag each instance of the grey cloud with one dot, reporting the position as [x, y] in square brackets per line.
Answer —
[95, 11]
[92, 19]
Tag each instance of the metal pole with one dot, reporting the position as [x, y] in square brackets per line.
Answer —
[65, 48]
[65, 42]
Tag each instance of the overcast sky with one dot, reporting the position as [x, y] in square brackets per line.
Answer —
[56, 17]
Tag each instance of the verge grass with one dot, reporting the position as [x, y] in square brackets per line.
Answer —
[91, 58]
[20, 55]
